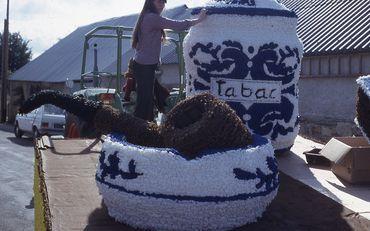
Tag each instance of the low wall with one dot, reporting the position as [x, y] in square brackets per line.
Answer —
[323, 130]
[328, 107]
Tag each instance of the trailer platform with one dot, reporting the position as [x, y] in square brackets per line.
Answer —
[67, 198]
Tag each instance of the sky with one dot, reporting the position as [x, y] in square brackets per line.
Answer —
[45, 22]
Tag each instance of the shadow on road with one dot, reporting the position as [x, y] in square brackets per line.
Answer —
[26, 142]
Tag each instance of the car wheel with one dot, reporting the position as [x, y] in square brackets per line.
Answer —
[35, 133]
[17, 132]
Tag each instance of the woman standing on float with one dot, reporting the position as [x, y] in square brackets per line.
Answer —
[147, 37]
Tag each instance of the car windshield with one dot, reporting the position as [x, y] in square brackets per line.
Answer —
[51, 109]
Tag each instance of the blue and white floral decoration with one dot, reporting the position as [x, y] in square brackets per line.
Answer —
[159, 189]
[248, 54]
[364, 84]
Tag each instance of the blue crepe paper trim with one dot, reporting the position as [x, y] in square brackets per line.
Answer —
[120, 138]
[238, 197]
[270, 180]
[246, 11]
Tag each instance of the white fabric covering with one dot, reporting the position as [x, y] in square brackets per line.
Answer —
[178, 194]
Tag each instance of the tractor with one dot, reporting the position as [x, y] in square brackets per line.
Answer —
[91, 82]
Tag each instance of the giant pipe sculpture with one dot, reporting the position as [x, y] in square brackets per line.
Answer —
[247, 53]
[200, 170]
[188, 125]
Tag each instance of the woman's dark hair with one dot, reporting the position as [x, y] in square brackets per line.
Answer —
[149, 7]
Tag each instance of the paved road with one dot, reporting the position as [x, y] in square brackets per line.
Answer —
[16, 181]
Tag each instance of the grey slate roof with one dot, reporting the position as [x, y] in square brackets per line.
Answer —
[332, 26]
[325, 27]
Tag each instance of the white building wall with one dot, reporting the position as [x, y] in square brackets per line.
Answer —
[328, 98]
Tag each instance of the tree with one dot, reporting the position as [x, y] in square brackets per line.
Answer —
[19, 52]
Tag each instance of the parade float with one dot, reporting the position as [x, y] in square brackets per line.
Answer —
[247, 53]
[202, 169]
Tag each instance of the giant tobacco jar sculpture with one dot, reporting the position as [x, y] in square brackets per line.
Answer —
[247, 53]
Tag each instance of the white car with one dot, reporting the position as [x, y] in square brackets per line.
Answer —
[45, 120]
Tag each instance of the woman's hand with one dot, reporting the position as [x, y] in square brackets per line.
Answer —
[202, 15]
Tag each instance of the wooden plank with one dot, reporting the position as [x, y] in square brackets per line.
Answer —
[74, 201]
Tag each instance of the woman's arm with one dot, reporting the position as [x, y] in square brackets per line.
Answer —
[160, 22]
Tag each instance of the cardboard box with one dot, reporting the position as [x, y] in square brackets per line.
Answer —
[314, 157]
[350, 158]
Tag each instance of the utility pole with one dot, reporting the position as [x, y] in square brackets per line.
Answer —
[5, 64]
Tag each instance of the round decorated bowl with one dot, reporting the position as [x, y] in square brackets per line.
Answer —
[154, 188]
